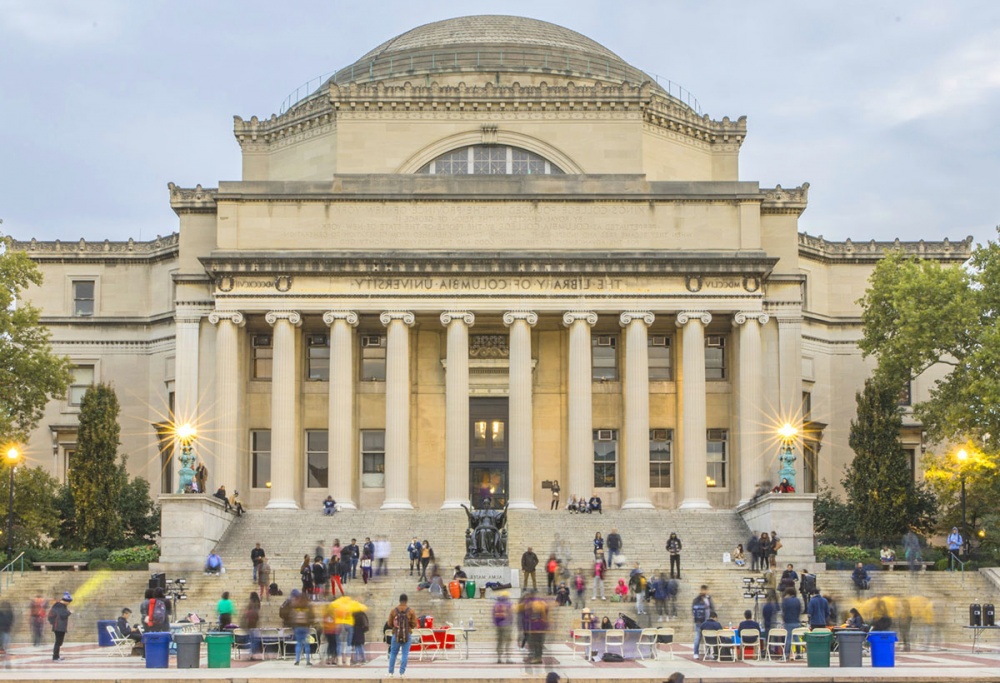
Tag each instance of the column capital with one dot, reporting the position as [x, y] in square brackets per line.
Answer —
[467, 317]
[571, 317]
[684, 317]
[235, 317]
[741, 317]
[529, 317]
[189, 315]
[406, 316]
[628, 317]
[294, 317]
[350, 317]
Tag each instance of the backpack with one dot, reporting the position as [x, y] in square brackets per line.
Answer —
[156, 613]
[401, 625]
[700, 612]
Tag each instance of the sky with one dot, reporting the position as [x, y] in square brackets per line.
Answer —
[889, 110]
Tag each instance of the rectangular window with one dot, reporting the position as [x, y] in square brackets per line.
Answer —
[373, 358]
[317, 459]
[261, 357]
[809, 473]
[717, 446]
[660, 457]
[605, 458]
[83, 298]
[260, 458]
[605, 357]
[715, 357]
[660, 360]
[911, 460]
[83, 379]
[373, 458]
[906, 394]
[317, 358]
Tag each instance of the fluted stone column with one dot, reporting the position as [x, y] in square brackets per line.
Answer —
[227, 384]
[283, 423]
[636, 324]
[522, 463]
[456, 428]
[397, 410]
[341, 408]
[187, 321]
[751, 400]
[695, 444]
[581, 429]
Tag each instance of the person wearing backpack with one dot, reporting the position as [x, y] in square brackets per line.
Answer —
[674, 548]
[402, 620]
[701, 608]
[503, 617]
[156, 614]
[59, 618]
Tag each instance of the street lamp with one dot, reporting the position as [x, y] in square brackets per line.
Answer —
[787, 433]
[13, 457]
[962, 456]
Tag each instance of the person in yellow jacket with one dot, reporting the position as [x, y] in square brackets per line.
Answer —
[343, 617]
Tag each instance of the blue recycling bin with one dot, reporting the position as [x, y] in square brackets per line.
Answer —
[157, 646]
[103, 637]
[883, 648]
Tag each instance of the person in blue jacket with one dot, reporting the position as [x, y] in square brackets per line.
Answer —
[819, 610]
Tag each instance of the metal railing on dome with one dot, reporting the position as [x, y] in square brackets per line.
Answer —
[536, 61]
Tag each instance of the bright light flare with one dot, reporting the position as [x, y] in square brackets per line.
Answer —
[962, 455]
[186, 433]
[13, 454]
[787, 432]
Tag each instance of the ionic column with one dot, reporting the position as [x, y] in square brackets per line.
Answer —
[580, 428]
[636, 324]
[522, 464]
[751, 400]
[695, 445]
[227, 383]
[397, 410]
[283, 423]
[456, 430]
[341, 409]
[187, 321]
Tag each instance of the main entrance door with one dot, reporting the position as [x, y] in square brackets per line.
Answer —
[488, 455]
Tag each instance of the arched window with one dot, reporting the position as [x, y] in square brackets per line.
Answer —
[490, 160]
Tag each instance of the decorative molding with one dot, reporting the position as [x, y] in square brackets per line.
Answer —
[406, 316]
[529, 317]
[571, 317]
[488, 346]
[235, 317]
[871, 251]
[154, 250]
[778, 200]
[294, 317]
[467, 317]
[350, 317]
[684, 317]
[489, 133]
[627, 317]
[741, 317]
[192, 200]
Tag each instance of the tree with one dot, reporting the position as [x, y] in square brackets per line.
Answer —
[881, 493]
[97, 480]
[140, 515]
[36, 514]
[30, 374]
[981, 471]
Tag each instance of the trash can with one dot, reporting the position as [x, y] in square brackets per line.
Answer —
[157, 645]
[818, 642]
[188, 650]
[470, 588]
[850, 644]
[220, 648]
[455, 590]
[103, 637]
[883, 648]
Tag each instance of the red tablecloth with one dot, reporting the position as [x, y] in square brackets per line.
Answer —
[444, 642]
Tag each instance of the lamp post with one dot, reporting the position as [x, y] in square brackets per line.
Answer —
[786, 457]
[962, 456]
[13, 456]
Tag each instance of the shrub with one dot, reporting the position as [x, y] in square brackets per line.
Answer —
[99, 554]
[851, 553]
[96, 565]
[137, 557]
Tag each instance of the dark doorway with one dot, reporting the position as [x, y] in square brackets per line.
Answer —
[488, 452]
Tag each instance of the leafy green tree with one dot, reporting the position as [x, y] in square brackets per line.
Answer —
[36, 514]
[97, 480]
[981, 470]
[833, 520]
[140, 515]
[30, 374]
[881, 494]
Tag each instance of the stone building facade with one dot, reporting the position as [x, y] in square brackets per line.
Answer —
[488, 255]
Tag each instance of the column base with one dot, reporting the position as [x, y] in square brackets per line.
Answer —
[349, 505]
[281, 504]
[397, 505]
[454, 504]
[521, 505]
[639, 504]
[695, 504]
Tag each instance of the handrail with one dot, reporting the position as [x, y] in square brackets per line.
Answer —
[8, 571]
[961, 565]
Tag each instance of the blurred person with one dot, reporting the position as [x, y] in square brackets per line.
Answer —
[756, 558]
[263, 570]
[38, 608]
[701, 608]
[256, 556]
[860, 577]
[660, 596]
[911, 548]
[359, 629]
[537, 622]
[225, 610]
[250, 621]
[819, 610]
[599, 570]
[383, 549]
[353, 554]
[6, 628]
[503, 618]
[413, 550]
[366, 565]
[579, 588]
[673, 590]
[638, 585]
[788, 578]
[551, 569]
[343, 614]
[59, 615]
[562, 594]
[330, 632]
[300, 619]
[770, 611]
[615, 545]
[402, 620]
[791, 615]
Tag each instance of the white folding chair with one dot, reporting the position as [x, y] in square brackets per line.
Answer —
[727, 644]
[585, 639]
[648, 638]
[457, 637]
[241, 641]
[709, 642]
[799, 641]
[666, 635]
[123, 646]
[750, 639]
[426, 642]
[615, 637]
[776, 639]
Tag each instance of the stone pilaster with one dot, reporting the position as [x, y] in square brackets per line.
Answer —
[522, 464]
[397, 410]
[580, 428]
[751, 400]
[636, 324]
[695, 445]
[341, 408]
[790, 359]
[456, 454]
[227, 390]
[284, 471]
[187, 321]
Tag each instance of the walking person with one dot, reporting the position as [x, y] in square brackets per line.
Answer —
[413, 550]
[555, 495]
[6, 627]
[673, 589]
[264, 578]
[529, 561]
[256, 555]
[39, 607]
[551, 568]
[503, 617]
[660, 596]
[402, 620]
[674, 548]
[580, 587]
[701, 609]
[426, 555]
[300, 619]
[614, 546]
[358, 635]
[599, 569]
[59, 616]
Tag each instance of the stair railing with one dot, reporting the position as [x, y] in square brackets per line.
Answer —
[961, 565]
[7, 573]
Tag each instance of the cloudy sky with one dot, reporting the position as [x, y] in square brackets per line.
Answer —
[891, 110]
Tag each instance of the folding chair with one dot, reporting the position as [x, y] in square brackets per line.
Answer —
[727, 644]
[799, 641]
[666, 635]
[776, 638]
[647, 637]
[709, 641]
[583, 638]
[425, 641]
[271, 639]
[241, 642]
[750, 640]
[123, 646]
[615, 637]
[456, 636]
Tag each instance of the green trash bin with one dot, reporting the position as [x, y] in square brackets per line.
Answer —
[220, 648]
[470, 588]
[818, 643]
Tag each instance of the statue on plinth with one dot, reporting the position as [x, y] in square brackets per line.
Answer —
[787, 460]
[185, 476]
[486, 536]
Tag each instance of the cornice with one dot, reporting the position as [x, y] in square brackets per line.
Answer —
[192, 200]
[82, 251]
[779, 201]
[848, 251]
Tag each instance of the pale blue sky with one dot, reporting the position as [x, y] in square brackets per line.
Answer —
[889, 109]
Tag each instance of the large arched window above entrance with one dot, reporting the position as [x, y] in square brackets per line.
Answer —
[490, 160]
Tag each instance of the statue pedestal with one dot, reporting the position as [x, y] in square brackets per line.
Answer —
[191, 524]
[501, 574]
[789, 514]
